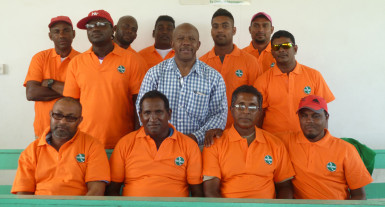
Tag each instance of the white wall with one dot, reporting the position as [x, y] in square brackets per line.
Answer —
[343, 39]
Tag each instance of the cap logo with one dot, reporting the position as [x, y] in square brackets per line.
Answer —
[179, 161]
[316, 101]
[268, 159]
[94, 13]
[239, 73]
[81, 158]
[307, 90]
[331, 166]
[121, 69]
[272, 65]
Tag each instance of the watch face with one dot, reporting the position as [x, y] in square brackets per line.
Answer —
[50, 83]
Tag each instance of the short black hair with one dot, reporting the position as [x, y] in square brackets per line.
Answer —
[282, 33]
[246, 89]
[154, 94]
[222, 12]
[165, 18]
[70, 100]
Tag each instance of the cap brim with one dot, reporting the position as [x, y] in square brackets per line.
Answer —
[82, 23]
[320, 110]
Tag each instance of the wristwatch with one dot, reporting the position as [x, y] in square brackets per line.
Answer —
[50, 82]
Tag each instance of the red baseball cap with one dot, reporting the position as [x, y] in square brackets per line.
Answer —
[93, 15]
[60, 19]
[314, 103]
[262, 14]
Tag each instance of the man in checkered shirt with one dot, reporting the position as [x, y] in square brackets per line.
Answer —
[197, 92]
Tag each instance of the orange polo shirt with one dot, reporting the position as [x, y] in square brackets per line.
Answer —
[152, 57]
[325, 169]
[238, 68]
[45, 171]
[247, 171]
[105, 91]
[131, 49]
[146, 171]
[265, 59]
[46, 65]
[282, 94]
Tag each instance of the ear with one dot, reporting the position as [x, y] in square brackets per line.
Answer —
[50, 36]
[272, 29]
[114, 28]
[74, 34]
[234, 30]
[169, 113]
[153, 33]
[199, 44]
[295, 48]
[250, 29]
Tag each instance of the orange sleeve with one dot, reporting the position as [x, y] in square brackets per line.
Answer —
[119, 155]
[323, 89]
[284, 168]
[25, 174]
[357, 176]
[35, 70]
[211, 165]
[194, 165]
[71, 87]
[98, 168]
[138, 71]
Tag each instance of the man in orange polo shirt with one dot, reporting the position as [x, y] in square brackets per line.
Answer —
[261, 28]
[125, 32]
[326, 167]
[247, 162]
[106, 79]
[46, 74]
[236, 67]
[162, 49]
[64, 160]
[285, 84]
[156, 160]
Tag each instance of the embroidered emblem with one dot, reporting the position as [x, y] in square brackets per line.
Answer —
[307, 90]
[179, 161]
[94, 13]
[81, 158]
[268, 159]
[121, 69]
[331, 166]
[239, 73]
[272, 65]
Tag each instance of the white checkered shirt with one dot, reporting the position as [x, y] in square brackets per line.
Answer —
[198, 101]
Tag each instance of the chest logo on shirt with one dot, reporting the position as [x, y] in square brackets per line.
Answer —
[268, 159]
[307, 90]
[121, 69]
[272, 65]
[239, 73]
[81, 158]
[179, 161]
[331, 166]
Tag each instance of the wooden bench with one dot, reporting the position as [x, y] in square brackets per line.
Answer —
[9, 159]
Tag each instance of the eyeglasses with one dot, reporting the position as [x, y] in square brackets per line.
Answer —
[283, 45]
[242, 107]
[97, 24]
[58, 116]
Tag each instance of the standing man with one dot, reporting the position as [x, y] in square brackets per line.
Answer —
[47, 72]
[247, 162]
[261, 28]
[197, 92]
[162, 49]
[156, 160]
[106, 79]
[125, 32]
[64, 160]
[326, 167]
[237, 67]
[285, 84]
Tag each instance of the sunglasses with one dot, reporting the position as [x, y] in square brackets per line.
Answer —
[58, 116]
[242, 107]
[97, 24]
[283, 45]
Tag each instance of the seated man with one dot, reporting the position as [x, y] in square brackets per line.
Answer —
[64, 160]
[247, 162]
[156, 160]
[326, 167]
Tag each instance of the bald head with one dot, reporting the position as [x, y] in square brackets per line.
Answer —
[74, 103]
[187, 27]
[126, 31]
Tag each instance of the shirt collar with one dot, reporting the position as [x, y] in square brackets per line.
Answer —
[297, 70]
[234, 135]
[197, 67]
[117, 50]
[172, 133]
[324, 142]
[236, 52]
[72, 54]
[46, 137]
